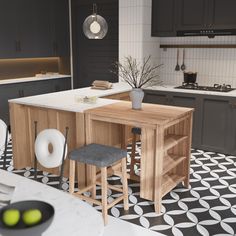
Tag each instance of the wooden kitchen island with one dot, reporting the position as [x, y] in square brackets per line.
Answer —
[165, 140]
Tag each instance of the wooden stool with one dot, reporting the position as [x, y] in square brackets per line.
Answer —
[108, 159]
[136, 133]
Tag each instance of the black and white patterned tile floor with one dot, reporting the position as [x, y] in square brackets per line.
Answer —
[207, 208]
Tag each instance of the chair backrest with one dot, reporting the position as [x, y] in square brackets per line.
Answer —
[3, 132]
[57, 141]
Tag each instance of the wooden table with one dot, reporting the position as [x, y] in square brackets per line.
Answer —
[165, 142]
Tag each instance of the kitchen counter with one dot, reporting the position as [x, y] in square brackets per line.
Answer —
[68, 100]
[29, 79]
[171, 88]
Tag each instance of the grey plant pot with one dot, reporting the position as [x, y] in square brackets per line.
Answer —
[136, 97]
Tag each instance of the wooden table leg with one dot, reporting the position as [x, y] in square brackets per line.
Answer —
[159, 155]
[147, 163]
[188, 128]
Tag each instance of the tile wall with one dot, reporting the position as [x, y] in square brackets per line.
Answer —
[212, 65]
[135, 30]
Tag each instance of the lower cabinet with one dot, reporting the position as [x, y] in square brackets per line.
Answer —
[25, 89]
[214, 126]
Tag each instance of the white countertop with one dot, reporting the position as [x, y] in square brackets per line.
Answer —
[171, 88]
[68, 100]
[29, 79]
[72, 216]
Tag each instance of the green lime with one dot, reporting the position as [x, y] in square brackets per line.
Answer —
[11, 217]
[32, 217]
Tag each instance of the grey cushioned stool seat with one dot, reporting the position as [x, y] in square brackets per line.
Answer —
[98, 155]
[136, 130]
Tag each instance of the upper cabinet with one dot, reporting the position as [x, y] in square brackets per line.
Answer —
[170, 16]
[34, 28]
[222, 14]
[163, 17]
[8, 43]
[192, 14]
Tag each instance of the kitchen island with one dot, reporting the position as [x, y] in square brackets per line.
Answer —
[56, 110]
[166, 134]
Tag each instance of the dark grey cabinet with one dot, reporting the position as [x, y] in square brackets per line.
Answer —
[60, 28]
[214, 126]
[222, 14]
[163, 18]
[171, 16]
[192, 14]
[33, 28]
[8, 43]
[17, 90]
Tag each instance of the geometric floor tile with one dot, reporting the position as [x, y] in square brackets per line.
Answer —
[208, 207]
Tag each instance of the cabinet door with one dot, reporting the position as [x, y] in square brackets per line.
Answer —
[156, 97]
[183, 100]
[232, 124]
[192, 14]
[60, 28]
[7, 92]
[215, 128]
[37, 87]
[34, 29]
[222, 14]
[163, 18]
[61, 84]
[8, 28]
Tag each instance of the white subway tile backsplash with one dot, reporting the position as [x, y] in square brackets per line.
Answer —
[212, 65]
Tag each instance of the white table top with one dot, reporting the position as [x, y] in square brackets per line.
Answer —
[72, 216]
[68, 100]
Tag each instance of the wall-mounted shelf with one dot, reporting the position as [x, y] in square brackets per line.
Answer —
[198, 46]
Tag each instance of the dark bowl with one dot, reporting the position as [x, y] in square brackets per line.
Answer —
[21, 229]
[190, 77]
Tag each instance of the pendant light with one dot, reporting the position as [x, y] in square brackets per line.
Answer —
[95, 26]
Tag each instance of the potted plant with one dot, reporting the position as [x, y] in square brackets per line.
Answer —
[138, 76]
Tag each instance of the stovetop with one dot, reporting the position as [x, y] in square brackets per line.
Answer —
[216, 87]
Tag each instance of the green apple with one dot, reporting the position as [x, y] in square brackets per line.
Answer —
[11, 217]
[32, 217]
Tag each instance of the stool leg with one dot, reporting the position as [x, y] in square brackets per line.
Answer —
[72, 177]
[132, 163]
[93, 179]
[125, 184]
[104, 194]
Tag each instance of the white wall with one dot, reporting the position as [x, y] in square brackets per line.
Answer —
[135, 30]
[212, 65]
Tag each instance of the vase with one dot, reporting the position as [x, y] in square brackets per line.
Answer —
[136, 97]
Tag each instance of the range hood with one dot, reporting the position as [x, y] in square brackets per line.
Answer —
[210, 33]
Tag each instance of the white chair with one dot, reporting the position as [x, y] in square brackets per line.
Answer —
[4, 136]
[55, 157]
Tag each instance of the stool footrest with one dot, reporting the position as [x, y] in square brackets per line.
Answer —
[88, 199]
[85, 189]
[113, 187]
[115, 202]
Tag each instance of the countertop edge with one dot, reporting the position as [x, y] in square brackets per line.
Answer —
[171, 88]
[31, 79]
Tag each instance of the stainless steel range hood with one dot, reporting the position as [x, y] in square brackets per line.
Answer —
[210, 33]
